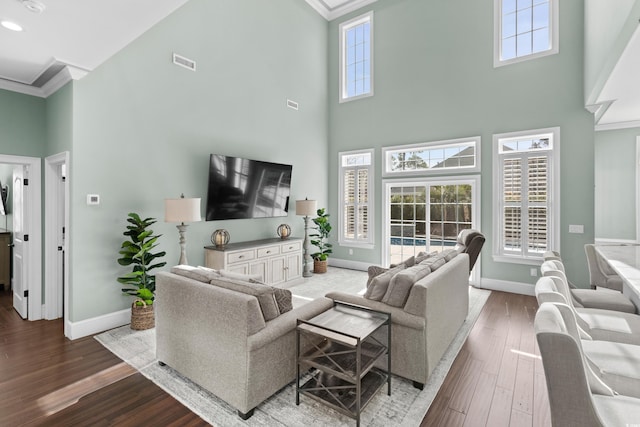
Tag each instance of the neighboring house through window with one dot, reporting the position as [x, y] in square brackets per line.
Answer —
[356, 58]
[526, 190]
[356, 198]
[524, 29]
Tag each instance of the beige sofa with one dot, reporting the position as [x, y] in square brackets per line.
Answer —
[424, 326]
[219, 339]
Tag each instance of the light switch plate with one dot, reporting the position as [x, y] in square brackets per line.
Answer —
[93, 199]
[577, 229]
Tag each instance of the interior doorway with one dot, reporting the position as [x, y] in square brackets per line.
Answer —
[26, 231]
[56, 237]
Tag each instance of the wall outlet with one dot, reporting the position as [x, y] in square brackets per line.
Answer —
[350, 251]
[577, 229]
[534, 272]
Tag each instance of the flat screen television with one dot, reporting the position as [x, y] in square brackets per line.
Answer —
[245, 188]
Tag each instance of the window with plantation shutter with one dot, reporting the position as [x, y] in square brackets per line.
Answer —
[525, 182]
[356, 175]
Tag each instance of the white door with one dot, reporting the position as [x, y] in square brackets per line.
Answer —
[20, 291]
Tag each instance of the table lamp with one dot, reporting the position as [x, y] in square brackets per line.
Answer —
[182, 210]
[306, 208]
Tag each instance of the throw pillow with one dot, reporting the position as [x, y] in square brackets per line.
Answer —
[264, 294]
[239, 276]
[374, 271]
[449, 254]
[209, 272]
[409, 262]
[401, 284]
[378, 286]
[191, 272]
[284, 297]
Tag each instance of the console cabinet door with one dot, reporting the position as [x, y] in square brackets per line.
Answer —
[294, 266]
[277, 270]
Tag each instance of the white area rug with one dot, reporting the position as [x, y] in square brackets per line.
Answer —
[405, 407]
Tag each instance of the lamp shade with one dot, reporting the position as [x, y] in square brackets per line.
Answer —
[182, 210]
[306, 207]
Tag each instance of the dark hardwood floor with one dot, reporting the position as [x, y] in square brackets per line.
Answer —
[46, 379]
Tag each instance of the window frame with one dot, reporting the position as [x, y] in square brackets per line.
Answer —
[369, 242]
[553, 196]
[497, 36]
[342, 29]
[387, 173]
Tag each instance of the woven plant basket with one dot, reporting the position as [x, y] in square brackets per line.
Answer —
[142, 317]
[319, 266]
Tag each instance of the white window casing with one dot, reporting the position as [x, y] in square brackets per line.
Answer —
[356, 58]
[356, 198]
[526, 195]
[427, 158]
[524, 30]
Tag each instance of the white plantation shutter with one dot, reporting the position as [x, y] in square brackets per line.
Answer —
[356, 187]
[524, 182]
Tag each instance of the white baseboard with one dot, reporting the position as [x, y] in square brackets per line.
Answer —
[98, 324]
[506, 286]
[353, 265]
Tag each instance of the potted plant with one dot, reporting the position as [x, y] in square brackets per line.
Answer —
[320, 240]
[137, 252]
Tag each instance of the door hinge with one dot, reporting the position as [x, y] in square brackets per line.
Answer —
[26, 238]
[26, 181]
[26, 294]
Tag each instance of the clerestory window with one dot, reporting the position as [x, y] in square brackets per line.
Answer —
[356, 58]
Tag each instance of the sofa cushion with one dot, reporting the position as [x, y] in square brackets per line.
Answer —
[195, 273]
[434, 262]
[401, 283]
[284, 297]
[264, 294]
[374, 271]
[409, 262]
[449, 254]
[239, 276]
[378, 286]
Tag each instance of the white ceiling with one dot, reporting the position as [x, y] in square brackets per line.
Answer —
[73, 37]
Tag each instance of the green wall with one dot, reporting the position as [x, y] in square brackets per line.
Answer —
[22, 120]
[59, 121]
[435, 80]
[143, 129]
[615, 184]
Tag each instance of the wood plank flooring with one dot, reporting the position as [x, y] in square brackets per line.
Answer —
[46, 379]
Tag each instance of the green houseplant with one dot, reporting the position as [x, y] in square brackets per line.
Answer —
[320, 240]
[137, 251]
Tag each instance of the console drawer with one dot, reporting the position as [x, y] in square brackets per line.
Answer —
[268, 251]
[291, 247]
[240, 256]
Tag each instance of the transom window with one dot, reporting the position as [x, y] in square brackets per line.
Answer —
[433, 157]
[356, 62]
[356, 204]
[526, 178]
[525, 29]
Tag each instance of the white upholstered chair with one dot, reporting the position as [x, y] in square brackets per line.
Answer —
[600, 272]
[605, 299]
[577, 397]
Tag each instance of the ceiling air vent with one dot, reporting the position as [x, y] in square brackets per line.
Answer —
[184, 62]
[292, 104]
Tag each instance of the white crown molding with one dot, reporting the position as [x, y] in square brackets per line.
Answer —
[330, 13]
[619, 125]
[68, 73]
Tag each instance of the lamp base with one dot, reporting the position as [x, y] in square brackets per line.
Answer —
[183, 244]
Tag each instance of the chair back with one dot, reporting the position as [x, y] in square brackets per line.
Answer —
[470, 241]
[570, 381]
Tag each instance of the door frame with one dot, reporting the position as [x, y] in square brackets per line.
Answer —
[52, 267]
[33, 252]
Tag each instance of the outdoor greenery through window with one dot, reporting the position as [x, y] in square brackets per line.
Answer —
[356, 64]
[525, 28]
[432, 157]
[356, 176]
[526, 183]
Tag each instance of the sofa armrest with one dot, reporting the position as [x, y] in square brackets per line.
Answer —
[287, 322]
[398, 315]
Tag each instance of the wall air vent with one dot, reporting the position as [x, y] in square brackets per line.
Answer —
[184, 62]
[292, 104]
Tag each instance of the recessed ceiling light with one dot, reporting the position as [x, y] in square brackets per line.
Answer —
[33, 5]
[11, 25]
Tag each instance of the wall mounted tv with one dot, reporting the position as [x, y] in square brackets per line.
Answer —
[244, 188]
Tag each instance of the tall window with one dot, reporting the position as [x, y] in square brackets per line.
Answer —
[525, 29]
[526, 185]
[356, 204]
[356, 58]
